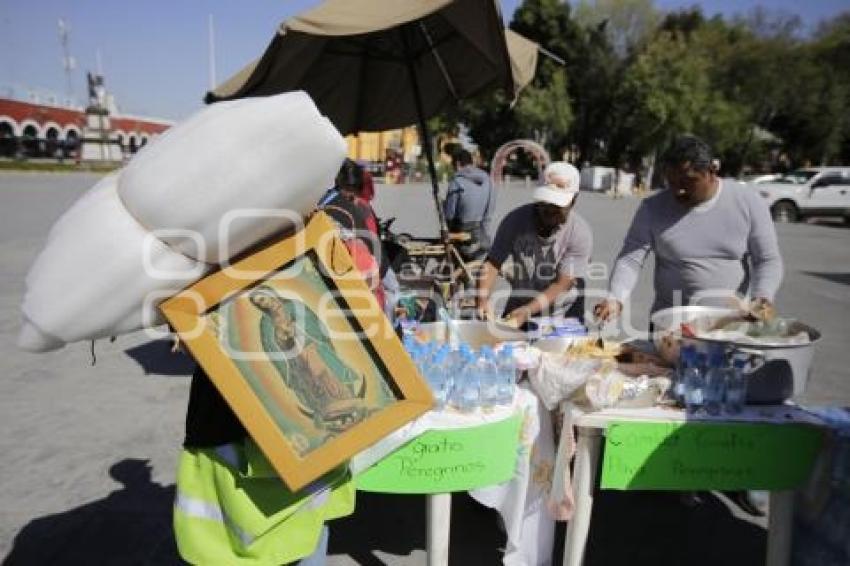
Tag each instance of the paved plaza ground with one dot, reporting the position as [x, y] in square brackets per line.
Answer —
[88, 452]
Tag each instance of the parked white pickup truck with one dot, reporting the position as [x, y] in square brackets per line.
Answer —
[814, 191]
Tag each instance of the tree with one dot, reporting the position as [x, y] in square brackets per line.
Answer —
[832, 50]
[545, 113]
[591, 67]
[663, 92]
[543, 110]
[627, 22]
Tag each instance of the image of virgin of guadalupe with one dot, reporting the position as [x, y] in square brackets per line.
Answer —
[329, 391]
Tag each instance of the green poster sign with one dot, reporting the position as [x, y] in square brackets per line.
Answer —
[441, 461]
[680, 456]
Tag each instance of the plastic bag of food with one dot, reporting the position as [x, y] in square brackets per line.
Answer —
[615, 389]
[558, 376]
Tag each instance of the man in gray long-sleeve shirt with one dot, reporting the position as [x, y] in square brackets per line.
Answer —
[712, 239]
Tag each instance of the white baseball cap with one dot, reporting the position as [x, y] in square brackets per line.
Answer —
[562, 183]
[553, 194]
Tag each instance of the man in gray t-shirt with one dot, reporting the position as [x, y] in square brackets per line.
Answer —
[542, 249]
[713, 240]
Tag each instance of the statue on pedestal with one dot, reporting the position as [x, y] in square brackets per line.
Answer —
[97, 92]
[99, 142]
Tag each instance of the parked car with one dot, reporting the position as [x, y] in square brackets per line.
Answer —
[758, 179]
[813, 191]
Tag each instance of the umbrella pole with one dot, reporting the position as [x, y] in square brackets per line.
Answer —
[426, 144]
[432, 172]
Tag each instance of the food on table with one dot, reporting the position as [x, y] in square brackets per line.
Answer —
[590, 348]
[615, 389]
[668, 347]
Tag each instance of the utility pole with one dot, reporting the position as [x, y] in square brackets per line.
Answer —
[212, 53]
[68, 62]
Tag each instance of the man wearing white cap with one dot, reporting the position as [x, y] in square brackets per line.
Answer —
[542, 249]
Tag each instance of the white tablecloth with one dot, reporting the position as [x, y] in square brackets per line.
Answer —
[521, 502]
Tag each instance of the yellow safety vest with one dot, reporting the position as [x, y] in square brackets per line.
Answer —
[231, 508]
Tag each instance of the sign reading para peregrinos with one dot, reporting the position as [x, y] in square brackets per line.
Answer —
[440, 461]
[708, 455]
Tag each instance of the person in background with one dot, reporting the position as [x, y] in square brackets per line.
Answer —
[548, 245]
[469, 203]
[358, 225]
[713, 239]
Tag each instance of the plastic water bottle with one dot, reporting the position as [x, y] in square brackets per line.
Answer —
[715, 382]
[506, 372]
[472, 387]
[736, 387]
[687, 359]
[488, 377]
[466, 394]
[439, 379]
[695, 384]
[456, 359]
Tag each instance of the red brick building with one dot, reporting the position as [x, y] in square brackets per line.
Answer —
[40, 130]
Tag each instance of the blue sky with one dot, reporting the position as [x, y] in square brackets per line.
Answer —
[154, 53]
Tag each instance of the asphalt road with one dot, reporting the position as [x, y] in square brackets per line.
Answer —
[88, 452]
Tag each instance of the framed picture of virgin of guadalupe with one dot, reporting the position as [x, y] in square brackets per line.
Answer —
[299, 347]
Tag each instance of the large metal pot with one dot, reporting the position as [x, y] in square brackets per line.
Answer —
[476, 333]
[780, 372]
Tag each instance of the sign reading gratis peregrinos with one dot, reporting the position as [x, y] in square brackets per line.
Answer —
[441, 461]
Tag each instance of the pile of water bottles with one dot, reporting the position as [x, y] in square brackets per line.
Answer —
[711, 381]
[463, 378]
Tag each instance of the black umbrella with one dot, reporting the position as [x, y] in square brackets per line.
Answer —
[374, 65]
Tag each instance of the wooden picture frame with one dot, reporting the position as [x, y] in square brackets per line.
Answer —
[296, 309]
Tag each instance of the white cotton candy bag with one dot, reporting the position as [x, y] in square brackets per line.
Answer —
[100, 274]
[272, 153]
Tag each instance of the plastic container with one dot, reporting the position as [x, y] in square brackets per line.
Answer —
[736, 388]
[715, 382]
[506, 375]
[694, 379]
[486, 371]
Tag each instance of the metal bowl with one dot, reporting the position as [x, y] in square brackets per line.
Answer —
[781, 371]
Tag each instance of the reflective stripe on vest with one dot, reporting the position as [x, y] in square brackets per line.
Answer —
[198, 509]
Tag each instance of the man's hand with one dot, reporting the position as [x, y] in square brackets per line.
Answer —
[762, 309]
[518, 317]
[483, 309]
[607, 310]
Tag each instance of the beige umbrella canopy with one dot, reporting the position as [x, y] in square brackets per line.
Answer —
[356, 57]
[523, 53]
[373, 65]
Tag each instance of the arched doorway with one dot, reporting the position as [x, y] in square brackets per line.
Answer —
[72, 143]
[29, 141]
[52, 137]
[8, 143]
[537, 153]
